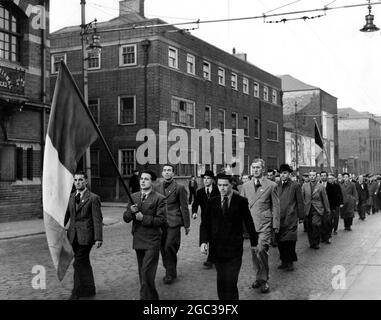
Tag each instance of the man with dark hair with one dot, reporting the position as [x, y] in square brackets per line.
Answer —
[85, 230]
[177, 216]
[262, 195]
[335, 198]
[148, 215]
[202, 197]
[134, 183]
[316, 206]
[350, 199]
[222, 228]
[291, 211]
[192, 187]
[271, 174]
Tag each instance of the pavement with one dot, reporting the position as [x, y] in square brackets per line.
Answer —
[19, 229]
[347, 269]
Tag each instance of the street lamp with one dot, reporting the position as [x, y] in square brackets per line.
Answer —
[94, 48]
[369, 25]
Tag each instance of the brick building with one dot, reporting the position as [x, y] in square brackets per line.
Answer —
[360, 142]
[302, 104]
[146, 75]
[24, 98]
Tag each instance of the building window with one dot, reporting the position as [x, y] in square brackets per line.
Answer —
[245, 83]
[126, 110]
[221, 120]
[127, 162]
[234, 82]
[56, 61]
[94, 60]
[29, 163]
[182, 112]
[7, 163]
[94, 158]
[274, 96]
[9, 35]
[207, 118]
[256, 90]
[272, 131]
[127, 55]
[206, 70]
[191, 64]
[257, 130]
[221, 76]
[19, 163]
[234, 122]
[246, 126]
[265, 93]
[94, 109]
[172, 57]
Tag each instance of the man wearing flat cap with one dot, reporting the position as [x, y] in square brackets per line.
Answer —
[202, 196]
[291, 211]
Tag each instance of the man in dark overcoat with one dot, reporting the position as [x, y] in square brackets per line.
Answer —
[350, 198]
[291, 211]
[363, 197]
[209, 190]
[222, 228]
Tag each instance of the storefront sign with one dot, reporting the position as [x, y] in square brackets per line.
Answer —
[12, 80]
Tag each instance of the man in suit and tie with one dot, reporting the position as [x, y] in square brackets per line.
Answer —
[177, 216]
[202, 196]
[316, 206]
[265, 210]
[222, 228]
[148, 215]
[85, 230]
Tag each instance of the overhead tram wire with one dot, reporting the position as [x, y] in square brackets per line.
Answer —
[263, 16]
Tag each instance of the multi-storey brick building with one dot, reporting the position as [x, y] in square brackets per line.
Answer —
[360, 142]
[146, 75]
[302, 105]
[24, 98]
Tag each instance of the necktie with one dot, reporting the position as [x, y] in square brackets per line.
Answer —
[257, 185]
[144, 197]
[77, 198]
[225, 205]
[207, 193]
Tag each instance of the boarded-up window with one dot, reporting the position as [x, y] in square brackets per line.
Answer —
[29, 163]
[7, 163]
[19, 163]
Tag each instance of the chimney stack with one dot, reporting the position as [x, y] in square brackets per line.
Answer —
[131, 6]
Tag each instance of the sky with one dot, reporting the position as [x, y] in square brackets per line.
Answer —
[328, 52]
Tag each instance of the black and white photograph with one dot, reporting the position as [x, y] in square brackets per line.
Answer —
[207, 151]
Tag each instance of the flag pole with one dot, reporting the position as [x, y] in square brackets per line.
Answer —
[63, 65]
[325, 151]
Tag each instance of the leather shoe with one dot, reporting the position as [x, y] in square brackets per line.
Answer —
[265, 288]
[328, 241]
[73, 297]
[168, 279]
[256, 284]
[208, 265]
[290, 267]
[314, 246]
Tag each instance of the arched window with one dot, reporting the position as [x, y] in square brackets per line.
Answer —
[9, 35]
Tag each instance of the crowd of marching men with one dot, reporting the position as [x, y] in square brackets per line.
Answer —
[265, 207]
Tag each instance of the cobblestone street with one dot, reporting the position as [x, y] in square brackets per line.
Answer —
[115, 266]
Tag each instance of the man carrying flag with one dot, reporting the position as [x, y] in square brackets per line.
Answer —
[71, 130]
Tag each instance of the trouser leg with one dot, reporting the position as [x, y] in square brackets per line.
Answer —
[170, 246]
[227, 278]
[149, 260]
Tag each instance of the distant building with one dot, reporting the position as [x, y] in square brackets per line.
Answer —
[171, 76]
[360, 142]
[302, 104]
[24, 98]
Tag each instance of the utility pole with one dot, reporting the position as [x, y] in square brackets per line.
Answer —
[296, 141]
[85, 81]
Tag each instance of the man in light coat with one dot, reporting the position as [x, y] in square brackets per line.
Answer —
[316, 206]
[263, 200]
[350, 198]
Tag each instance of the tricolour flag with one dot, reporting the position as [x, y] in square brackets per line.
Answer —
[318, 138]
[70, 132]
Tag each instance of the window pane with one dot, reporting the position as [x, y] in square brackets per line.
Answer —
[94, 108]
[127, 110]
